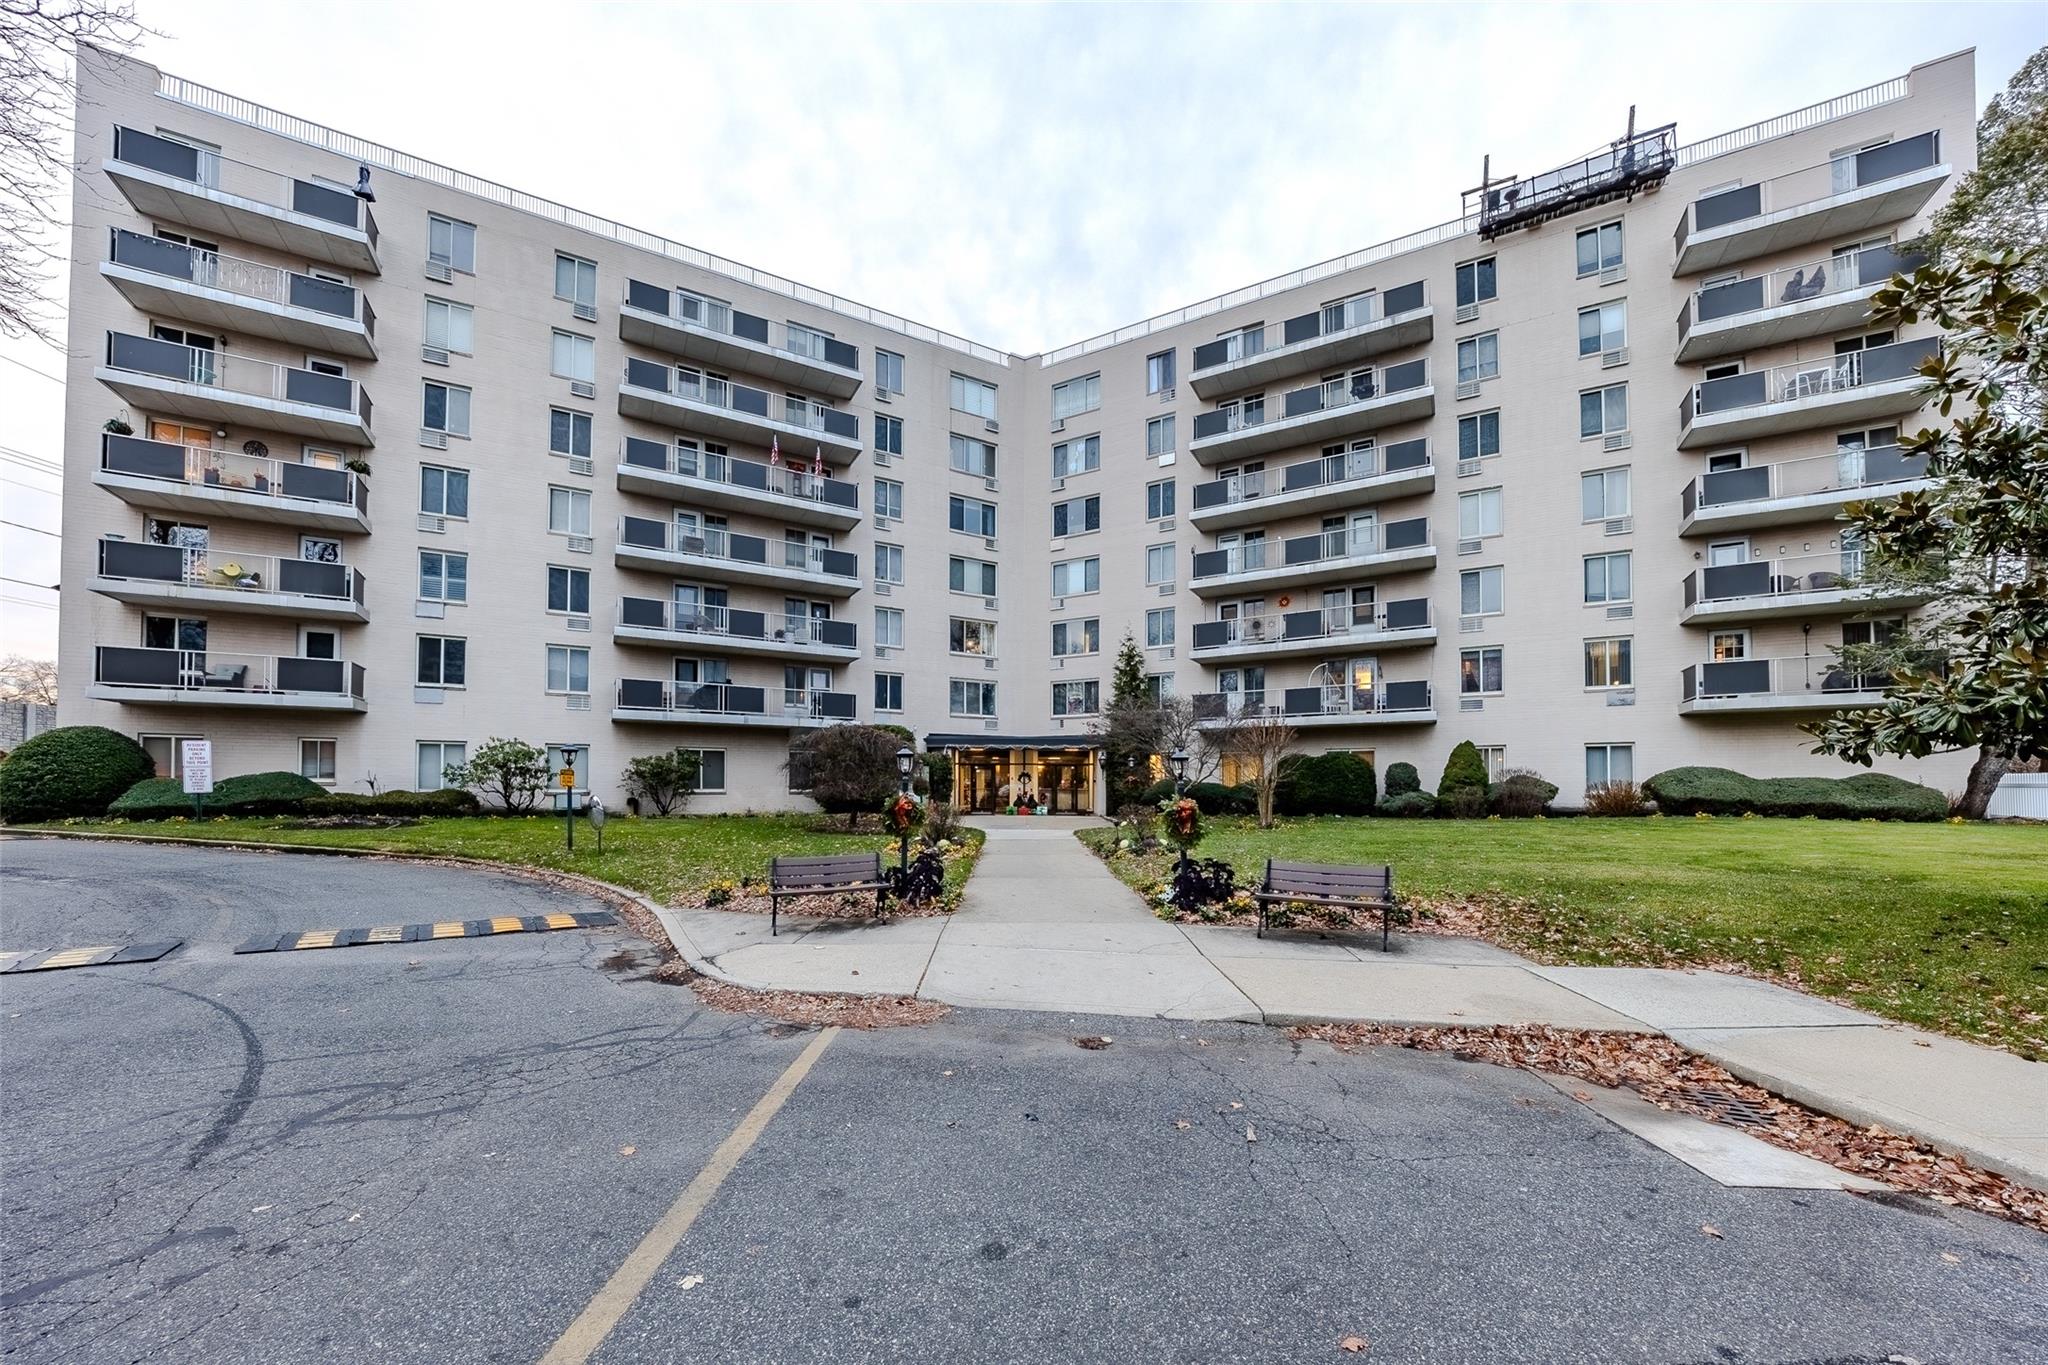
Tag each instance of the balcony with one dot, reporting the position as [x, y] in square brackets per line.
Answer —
[729, 704]
[229, 294]
[221, 198]
[682, 398]
[1857, 389]
[1354, 478]
[728, 557]
[1323, 706]
[714, 334]
[171, 380]
[1325, 557]
[1797, 490]
[727, 483]
[1337, 408]
[202, 481]
[729, 630]
[1816, 299]
[1803, 585]
[1753, 686]
[1836, 201]
[181, 677]
[1316, 632]
[224, 580]
[1356, 329]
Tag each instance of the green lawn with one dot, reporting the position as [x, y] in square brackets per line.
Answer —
[670, 860]
[1944, 926]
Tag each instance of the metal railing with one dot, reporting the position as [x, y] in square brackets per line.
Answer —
[1782, 677]
[716, 698]
[235, 275]
[1330, 320]
[1341, 699]
[1810, 184]
[1812, 116]
[1344, 542]
[713, 316]
[689, 462]
[1760, 578]
[654, 613]
[816, 703]
[229, 570]
[691, 386]
[1795, 284]
[1349, 466]
[210, 170]
[234, 373]
[1313, 623]
[1803, 379]
[212, 672]
[232, 471]
[717, 542]
[1330, 395]
[1844, 471]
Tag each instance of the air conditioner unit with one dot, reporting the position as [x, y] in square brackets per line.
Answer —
[432, 439]
[884, 651]
[1058, 484]
[1468, 312]
[991, 725]
[441, 271]
[1166, 523]
[1620, 526]
[988, 542]
[1469, 389]
[884, 523]
[586, 312]
[882, 457]
[432, 524]
[882, 396]
[989, 424]
[1166, 395]
[580, 465]
[1621, 613]
[578, 623]
[1627, 698]
[884, 590]
[1059, 604]
[991, 485]
[1469, 547]
[1620, 440]
[691, 545]
[434, 355]
[1059, 424]
[988, 663]
[1468, 468]
[1617, 356]
[580, 545]
[991, 603]
[430, 611]
[582, 388]
[1166, 651]
[579, 701]
[1614, 274]
[1471, 704]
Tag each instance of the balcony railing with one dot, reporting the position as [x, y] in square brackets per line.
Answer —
[817, 703]
[1323, 322]
[235, 374]
[1765, 578]
[210, 170]
[231, 471]
[1329, 396]
[209, 672]
[1628, 165]
[1809, 185]
[229, 571]
[1843, 472]
[1346, 542]
[1817, 678]
[1324, 471]
[654, 613]
[233, 275]
[715, 698]
[1315, 623]
[718, 317]
[1795, 284]
[1337, 699]
[690, 386]
[1840, 374]
[714, 542]
[1228, 350]
[754, 475]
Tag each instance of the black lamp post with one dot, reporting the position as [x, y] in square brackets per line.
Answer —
[1179, 759]
[905, 757]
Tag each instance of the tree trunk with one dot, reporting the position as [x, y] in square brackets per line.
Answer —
[1984, 775]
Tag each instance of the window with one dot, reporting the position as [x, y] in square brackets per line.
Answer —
[972, 515]
[889, 626]
[174, 632]
[1073, 576]
[1607, 763]
[1159, 437]
[568, 590]
[889, 686]
[1077, 396]
[1076, 637]
[444, 492]
[1159, 560]
[1479, 591]
[888, 372]
[969, 456]
[971, 698]
[1603, 493]
[1159, 372]
[889, 499]
[972, 576]
[974, 396]
[965, 636]
[1076, 698]
[1479, 435]
[434, 759]
[576, 279]
[450, 326]
[1608, 663]
[451, 242]
[1599, 249]
[1076, 457]
[1496, 759]
[167, 752]
[1478, 358]
[569, 511]
[568, 668]
[316, 761]
[1158, 687]
[575, 357]
[888, 434]
[442, 661]
[1159, 628]
[568, 433]
[576, 758]
[1603, 412]
[1159, 500]
[888, 563]
[1076, 515]
[1479, 671]
[1603, 328]
[1723, 646]
[1476, 282]
[1607, 578]
[710, 770]
[1479, 514]
[443, 577]
[445, 407]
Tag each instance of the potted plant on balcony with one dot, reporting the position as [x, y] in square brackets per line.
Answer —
[117, 427]
[357, 465]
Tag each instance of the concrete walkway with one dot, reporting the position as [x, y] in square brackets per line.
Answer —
[1046, 926]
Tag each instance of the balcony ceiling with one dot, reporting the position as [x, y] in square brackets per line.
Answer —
[1839, 217]
[232, 504]
[1316, 428]
[735, 354]
[730, 497]
[173, 398]
[1413, 328]
[217, 214]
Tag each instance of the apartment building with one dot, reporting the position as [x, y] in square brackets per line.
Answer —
[369, 461]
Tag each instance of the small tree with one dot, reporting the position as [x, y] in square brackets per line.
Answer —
[1259, 741]
[1464, 786]
[1402, 779]
[664, 781]
[510, 772]
[848, 769]
[29, 680]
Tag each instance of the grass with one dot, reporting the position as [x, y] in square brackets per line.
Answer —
[669, 860]
[1943, 926]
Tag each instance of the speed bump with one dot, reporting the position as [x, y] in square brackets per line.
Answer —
[105, 955]
[425, 933]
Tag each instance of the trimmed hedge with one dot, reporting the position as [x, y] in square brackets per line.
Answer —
[1326, 784]
[160, 798]
[1464, 770]
[1402, 779]
[73, 770]
[1408, 805]
[448, 801]
[1211, 798]
[1521, 794]
[1866, 796]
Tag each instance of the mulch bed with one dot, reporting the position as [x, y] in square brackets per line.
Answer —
[752, 901]
[1661, 1071]
[805, 1009]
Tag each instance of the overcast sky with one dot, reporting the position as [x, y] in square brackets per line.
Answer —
[1025, 177]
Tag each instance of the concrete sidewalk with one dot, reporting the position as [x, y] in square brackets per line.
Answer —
[1046, 926]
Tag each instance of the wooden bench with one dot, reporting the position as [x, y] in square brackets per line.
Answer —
[1331, 885]
[824, 876]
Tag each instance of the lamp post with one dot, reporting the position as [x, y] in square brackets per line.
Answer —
[905, 757]
[1179, 759]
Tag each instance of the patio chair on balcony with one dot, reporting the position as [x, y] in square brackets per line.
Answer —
[232, 677]
[1823, 580]
[1840, 680]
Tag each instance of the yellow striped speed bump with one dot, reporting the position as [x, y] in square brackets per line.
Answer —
[57, 959]
[422, 933]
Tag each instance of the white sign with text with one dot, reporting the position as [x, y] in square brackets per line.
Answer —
[196, 759]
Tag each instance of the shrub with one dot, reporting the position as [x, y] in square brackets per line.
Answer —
[1866, 796]
[510, 771]
[664, 780]
[75, 770]
[1462, 803]
[1614, 798]
[901, 732]
[938, 776]
[1212, 798]
[1522, 793]
[1408, 805]
[1403, 779]
[848, 769]
[1464, 770]
[1143, 820]
[276, 793]
[941, 821]
[1326, 784]
[447, 801]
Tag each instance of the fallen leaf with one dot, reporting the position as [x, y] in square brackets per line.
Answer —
[263, 1208]
[1182, 1124]
[1093, 1043]
[1237, 1104]
[1951, 1258]
[945, 1073]
[1710, 1230]
[1921, 1042]
[355, 1218]
[1581, 1095]
[1354, 1344]
[1251, 1134]
[689, 1281]
[856, 971]
[627, 1151]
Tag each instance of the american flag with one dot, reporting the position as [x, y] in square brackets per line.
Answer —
[818, 462]
[775, 449]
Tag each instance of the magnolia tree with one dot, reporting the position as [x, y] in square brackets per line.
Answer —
[510, 772]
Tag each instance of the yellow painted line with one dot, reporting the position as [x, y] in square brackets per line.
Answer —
[71, 957]
[449, 928]
[389, 933]
[317, 938]
[630, 1280]
[507, 924]
[560, 921]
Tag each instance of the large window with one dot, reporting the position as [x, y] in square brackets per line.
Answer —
[1076, 515]
[966, 636]
[889, 627]
[1076, 457]
[444, 407]
[316, 761]
[1072, 576]
[1159, 628]
[1607, 578]
[1603, 412]
[888, 563]
[1476, 281]
[1607, 763]
[710, 770]
[1076, 698]
[976, 576]
[1159, 436]
[443, 661]
[1479, 513]
[1478, 358]
[1599, 249]
[1159, 372]
[974, 396]
[568, 433]
[450, 326]
[451, 242]
[1479, 591]
[1159, 561]
[574, 357]
[969, 456]
[888, 434]
[888, 691]
[568, 668]
[1479, 671]
[1076, 637]
[434, 757]
[971, 697]
[576, 279]
[569, 511]
[1603, 494]
[888, 372]
[1077, 396]
[444, 492]
[889, 499]
[971, 515]
[1603, 328]
[568, 590]
[1608, 663]
[1159, 500]
[444, 577]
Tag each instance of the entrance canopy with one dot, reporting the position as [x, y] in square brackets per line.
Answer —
[1044, 774]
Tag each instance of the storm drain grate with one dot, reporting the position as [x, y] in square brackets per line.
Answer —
[1727, 1108]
